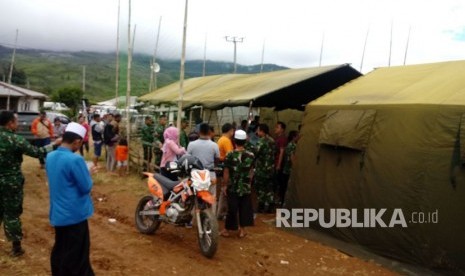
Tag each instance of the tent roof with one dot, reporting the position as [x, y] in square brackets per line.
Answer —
[434, 83]
[290, 88]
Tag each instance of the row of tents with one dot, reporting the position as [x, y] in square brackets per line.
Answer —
[393, 139]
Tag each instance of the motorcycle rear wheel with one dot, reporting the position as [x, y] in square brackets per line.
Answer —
[144, 223]
[208, 242]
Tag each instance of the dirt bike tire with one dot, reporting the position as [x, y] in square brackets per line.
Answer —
[146, 224]
[208, 243]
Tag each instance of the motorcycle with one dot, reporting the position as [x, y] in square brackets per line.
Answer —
[174, 202]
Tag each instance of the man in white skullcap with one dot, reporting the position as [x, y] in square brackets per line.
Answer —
[71, 205]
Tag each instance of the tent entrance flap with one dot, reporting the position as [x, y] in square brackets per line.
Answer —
[347, 128]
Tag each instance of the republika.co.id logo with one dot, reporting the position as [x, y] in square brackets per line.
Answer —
[358, 218]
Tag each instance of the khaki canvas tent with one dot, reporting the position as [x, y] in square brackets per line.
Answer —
[291, 88]
[393, 139]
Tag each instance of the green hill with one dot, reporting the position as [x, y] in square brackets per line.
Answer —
[48, 71]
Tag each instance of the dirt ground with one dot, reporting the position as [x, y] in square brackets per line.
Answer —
[117, 248]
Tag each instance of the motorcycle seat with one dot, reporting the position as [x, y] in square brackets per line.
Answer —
[166, 184]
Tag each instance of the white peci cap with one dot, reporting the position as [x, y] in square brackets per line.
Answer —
[76, 128]
[240, 135]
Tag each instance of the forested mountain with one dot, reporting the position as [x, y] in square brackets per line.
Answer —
[48, 71]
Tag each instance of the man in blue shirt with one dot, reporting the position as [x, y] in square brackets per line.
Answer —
[71, 205]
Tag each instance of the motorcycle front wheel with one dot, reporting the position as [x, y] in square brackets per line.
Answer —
[208, 241]
[146, 224]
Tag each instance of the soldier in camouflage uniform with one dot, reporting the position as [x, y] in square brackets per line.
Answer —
[264, 168]
[237, 176]
[183, 139]
[147, 139]
[12, 148]
[159, 140]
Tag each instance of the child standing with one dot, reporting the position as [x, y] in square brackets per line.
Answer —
[121, 153]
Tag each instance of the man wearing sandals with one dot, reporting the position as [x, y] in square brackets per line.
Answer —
[237, 177]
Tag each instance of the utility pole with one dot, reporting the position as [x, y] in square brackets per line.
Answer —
[390, 44]
[10, 75]
[364, 48]
[263, 57]
[406, 46]
[204, 56]
[117, 57]
[321, 50]
[83, 79]
[234, 40]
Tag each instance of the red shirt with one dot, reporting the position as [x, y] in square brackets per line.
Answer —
[121, 153]
[281, 143]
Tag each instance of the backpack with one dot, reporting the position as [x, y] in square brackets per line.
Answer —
[96, 136]
[108, 135]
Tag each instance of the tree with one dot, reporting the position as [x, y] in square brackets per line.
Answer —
[71, 96]
[18, 76]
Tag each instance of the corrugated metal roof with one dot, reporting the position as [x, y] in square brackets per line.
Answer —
[434, 83]
[17, 91]
[237, 89]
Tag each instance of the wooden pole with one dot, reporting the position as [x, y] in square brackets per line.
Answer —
[10, 74]
[153, 74]
[117, 57]
[181, 75]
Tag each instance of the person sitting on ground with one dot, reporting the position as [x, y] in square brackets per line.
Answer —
[237, 178]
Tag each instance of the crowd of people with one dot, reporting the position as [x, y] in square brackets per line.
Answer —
[249, 166]
[249, 169]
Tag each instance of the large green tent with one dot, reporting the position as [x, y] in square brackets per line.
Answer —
[393, 139]
[283, 89]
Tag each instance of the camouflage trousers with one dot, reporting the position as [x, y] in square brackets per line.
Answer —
[11, 207]
[158, 155]
[264, 189]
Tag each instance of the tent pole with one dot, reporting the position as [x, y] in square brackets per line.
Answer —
[249, 115]
[232, 114]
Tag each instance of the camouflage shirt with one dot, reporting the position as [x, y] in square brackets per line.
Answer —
[159, 129]
[183, 139]
[240, 164]
[12, 148]
[288, 152]
[147, 135]
[265, 153]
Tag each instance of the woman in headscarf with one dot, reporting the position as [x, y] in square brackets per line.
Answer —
[171, 150]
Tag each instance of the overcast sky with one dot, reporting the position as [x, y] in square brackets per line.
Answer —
[291, 31]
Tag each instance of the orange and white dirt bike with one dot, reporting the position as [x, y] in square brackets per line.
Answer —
[177, 202]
